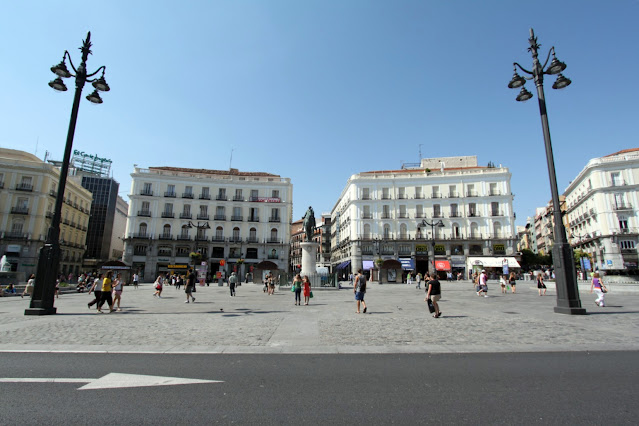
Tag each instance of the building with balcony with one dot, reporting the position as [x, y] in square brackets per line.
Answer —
[241, 218]
[380, 214]
[601, 210]
[28, 191]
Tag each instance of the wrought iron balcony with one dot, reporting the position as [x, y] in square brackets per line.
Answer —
[186, 215]
[202, 217]
[237, 218]
[146, 213]
[183, 237]
[221, 197]
[187, 195]
[170, 194]
[24, 187]
[19, 210]
[254, 219]
[165, 236]
[168, 215]
[146, 192]
[273, 219]
[219, 217]
[238, 198]
[205, 196]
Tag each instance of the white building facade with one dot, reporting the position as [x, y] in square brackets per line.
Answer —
[238, 221]
[387, 215]
[601, 209]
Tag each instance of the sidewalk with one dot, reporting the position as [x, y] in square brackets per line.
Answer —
[253, 322]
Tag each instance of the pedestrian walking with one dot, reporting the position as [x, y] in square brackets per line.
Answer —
[540, 284]
[297, 289]
[106, 293]
[434, 293]
[483, 284]
[599, 288]
[512, 281]
[136, 280]
[190, 286]
[502, 283]
[232, 283]
[359, 288]
[409, 278]
[306, 284]
[28, 289]
[179, 281]
[159, 281]
[117, 291]
[419, 280]
[96, 288]
[271, 284]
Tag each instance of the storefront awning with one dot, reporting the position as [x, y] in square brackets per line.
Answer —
[408, 264]
[368, 265]
[494, 262]
[344, 265]
[442, 265]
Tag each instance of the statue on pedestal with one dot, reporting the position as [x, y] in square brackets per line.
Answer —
[309, 223]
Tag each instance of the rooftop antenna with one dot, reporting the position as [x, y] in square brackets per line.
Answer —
[420, 151]
[231, 160]
[36, 150]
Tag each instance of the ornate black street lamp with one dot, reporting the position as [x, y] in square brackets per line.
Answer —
[432, 225]
[568, 301]
[49, 259]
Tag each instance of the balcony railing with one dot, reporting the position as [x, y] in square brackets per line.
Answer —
[235, 239]
[139, 251]
[436, 195]
[420, 196]
[273, 219]
[473, 214]
[170, 194]
[146, 213]
[455, 214]
[49, 215]
[15, 235]
[419, 215]
[238, 198]
[402, 197]
[496, 213]
[237, 218]
[221, 197]
[365, 197]
[146, 192]
[202, 217]
[220, 217]
[53, 193]
[386, 197]
[168, 214]
[254, 219]
[187, 195]
[252, 240]
[218, 238]
[205, 196]
[471, 194]
[186, 215]
[165, 236]
[437, 215]
[624, 206]
[453, 194]
[140, 235]
[183, 237]
[24, 187]
[367, 215]
[19, 210]
[404, 216]
[386, 216]
[273, 241]
[201, 238]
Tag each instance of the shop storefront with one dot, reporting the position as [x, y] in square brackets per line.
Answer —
[494, 266]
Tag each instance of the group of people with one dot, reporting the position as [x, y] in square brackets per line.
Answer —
[107, 290]
[301, 285]
[418, 279]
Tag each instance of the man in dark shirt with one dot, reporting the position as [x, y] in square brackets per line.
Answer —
[190, 285]
[434, 293]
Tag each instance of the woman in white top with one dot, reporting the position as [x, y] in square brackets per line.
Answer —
[117, 291]
[29, 287]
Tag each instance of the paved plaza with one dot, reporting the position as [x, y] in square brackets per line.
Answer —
[253, 322]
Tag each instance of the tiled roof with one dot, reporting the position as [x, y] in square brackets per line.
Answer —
[623, 151]
[231, 172]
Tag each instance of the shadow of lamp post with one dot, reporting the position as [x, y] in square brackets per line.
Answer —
[49, 258]
[568, 301]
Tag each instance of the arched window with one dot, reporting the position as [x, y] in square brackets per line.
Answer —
[497, 230]
[253, 234]
[219, 233]
[367, 231]
[166, 231]
[455, 230]
[185, 232]
[142, 230]
[403, 231]
[236, 234]
[474, 230]
[274, 234]
[387, 231]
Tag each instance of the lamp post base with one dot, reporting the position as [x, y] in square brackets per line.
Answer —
[40, 311]
[569, 310]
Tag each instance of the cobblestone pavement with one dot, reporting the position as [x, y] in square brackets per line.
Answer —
[253, 322]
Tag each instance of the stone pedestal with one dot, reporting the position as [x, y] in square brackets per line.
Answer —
[309, 258]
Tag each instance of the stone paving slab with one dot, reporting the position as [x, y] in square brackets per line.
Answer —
[253, 322]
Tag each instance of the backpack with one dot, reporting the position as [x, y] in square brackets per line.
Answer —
[361, 284]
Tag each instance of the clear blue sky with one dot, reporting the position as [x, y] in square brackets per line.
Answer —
[319, 90]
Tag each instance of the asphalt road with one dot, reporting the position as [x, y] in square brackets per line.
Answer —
[504, 388]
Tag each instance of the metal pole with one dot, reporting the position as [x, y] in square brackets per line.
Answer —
[49, 259]
[568, 301]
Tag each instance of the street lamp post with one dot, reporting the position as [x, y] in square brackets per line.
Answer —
[49, 258]
[432, 225]
[198, 226]
[568, 301]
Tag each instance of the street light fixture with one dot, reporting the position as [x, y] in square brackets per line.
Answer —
[568, 301]
[432, 225]
[49, 258]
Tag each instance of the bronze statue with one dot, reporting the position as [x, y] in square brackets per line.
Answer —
[309, 223]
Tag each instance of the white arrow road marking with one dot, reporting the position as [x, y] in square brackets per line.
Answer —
[115, 380]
